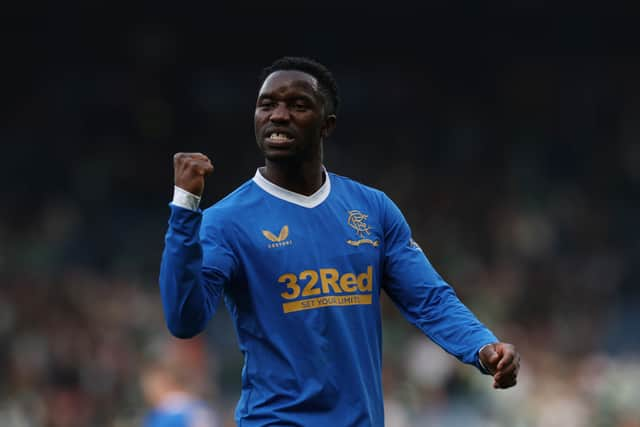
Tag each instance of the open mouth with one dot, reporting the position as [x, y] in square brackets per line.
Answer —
[279, 138]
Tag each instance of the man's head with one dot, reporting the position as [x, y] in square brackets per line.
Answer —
[160, 378]
[327, 84]
[295, 110]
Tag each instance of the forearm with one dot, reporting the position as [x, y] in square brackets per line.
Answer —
[425, 299]
[449, 323]
[187, 300]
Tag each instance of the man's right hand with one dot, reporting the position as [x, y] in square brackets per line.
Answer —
[190, 170]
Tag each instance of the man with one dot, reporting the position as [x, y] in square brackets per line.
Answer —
[168, 390]
[301, 256]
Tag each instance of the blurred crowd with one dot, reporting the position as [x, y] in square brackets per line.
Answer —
[520, 177]
[79, 346]
[84, 350]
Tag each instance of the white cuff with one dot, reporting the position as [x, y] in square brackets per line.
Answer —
[484, 368]
[184, 199]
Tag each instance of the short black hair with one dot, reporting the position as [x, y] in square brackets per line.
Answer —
[327, 83]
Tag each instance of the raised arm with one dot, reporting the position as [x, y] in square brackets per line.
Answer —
[189, 291]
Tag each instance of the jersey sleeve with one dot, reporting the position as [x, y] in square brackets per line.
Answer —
[196, 265]
[424, 298]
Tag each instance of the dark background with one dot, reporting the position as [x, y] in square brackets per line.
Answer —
[509, 135]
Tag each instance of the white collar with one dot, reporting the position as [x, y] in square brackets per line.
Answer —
[289, 196]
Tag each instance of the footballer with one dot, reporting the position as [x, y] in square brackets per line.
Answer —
[301, 256]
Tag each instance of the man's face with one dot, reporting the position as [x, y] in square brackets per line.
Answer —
[290, 117]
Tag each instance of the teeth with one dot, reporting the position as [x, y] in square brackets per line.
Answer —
[279, 136]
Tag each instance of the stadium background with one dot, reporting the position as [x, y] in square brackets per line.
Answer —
[509, 136]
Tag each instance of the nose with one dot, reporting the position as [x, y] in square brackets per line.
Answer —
[280, 113]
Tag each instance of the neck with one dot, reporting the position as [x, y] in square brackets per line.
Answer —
[301, 177]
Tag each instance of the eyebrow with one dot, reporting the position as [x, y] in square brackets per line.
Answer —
[303, 97]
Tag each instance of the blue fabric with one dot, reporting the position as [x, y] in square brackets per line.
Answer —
[303, 288]
[163, 419]
[189, 413]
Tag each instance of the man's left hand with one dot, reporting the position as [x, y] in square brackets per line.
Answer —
[502, 360]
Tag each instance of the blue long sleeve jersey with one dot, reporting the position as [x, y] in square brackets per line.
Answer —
[301, 277]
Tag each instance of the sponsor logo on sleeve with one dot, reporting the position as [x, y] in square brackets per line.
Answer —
[414, 245]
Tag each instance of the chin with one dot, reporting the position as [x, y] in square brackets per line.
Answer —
[275, 154]
[280, 156]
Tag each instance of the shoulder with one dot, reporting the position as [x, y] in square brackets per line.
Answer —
[354, 189]
[239, 200]
[343, 183]
[372, 200]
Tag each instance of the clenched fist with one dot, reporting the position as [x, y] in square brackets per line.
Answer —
[503, 362]
[189, 171]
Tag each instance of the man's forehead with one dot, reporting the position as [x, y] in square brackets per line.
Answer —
[283, 79]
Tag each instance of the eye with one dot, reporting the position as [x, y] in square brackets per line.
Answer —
[301, 106]
[266, 104]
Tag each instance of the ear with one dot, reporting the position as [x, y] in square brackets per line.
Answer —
[328, 126]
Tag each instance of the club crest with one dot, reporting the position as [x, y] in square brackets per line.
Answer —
[357, 221]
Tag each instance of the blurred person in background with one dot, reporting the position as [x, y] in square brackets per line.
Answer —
[171, 386]
[302, 255]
